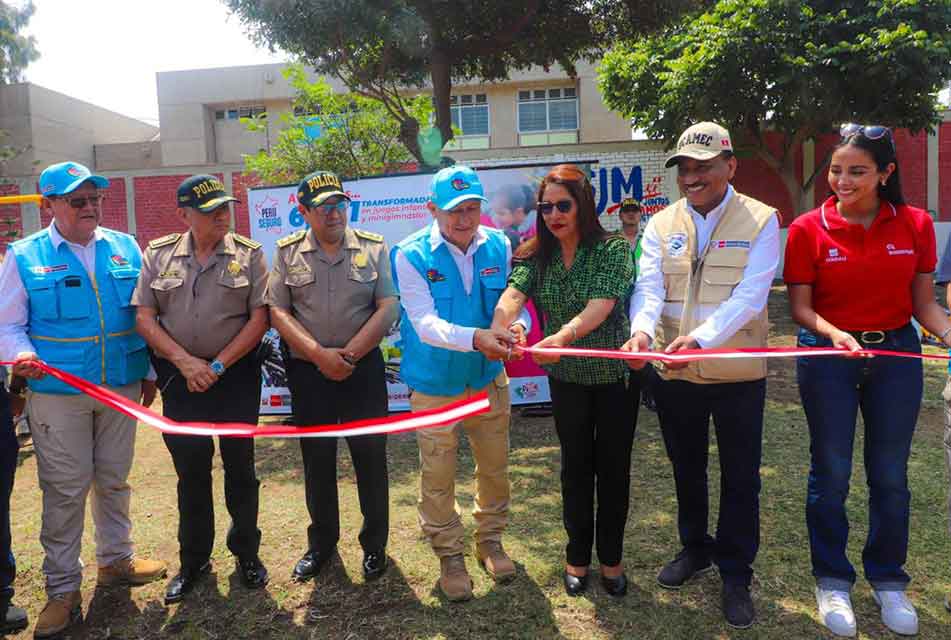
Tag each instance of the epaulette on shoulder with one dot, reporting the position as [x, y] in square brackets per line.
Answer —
[368, 235]
[248, 242]
[291, 239]
[164, 240]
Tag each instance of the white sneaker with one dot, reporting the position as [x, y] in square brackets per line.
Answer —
[898, 614]
[835, 611]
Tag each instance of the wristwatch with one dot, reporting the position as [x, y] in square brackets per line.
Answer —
[217, 367]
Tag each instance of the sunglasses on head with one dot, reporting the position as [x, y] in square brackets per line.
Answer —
[546, 208]
[80, 202]
[870, 131]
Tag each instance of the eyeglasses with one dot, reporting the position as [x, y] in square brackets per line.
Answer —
[80, 202]
[327, 209]
[547, 208]
[871, 131]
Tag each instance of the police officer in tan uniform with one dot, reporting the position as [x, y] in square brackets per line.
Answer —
[201, 307]
[332, 299]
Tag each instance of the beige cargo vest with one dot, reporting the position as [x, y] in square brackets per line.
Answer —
[709, 279]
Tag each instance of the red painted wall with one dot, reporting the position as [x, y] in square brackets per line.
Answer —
[944, 170]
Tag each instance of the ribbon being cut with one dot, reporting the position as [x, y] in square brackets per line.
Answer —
[440, 416]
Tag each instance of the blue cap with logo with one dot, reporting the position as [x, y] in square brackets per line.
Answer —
[454, 185]
[65, 177]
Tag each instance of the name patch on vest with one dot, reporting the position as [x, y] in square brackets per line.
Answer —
[676, 244]
[489, 271]
[40, 270]
[731, 244]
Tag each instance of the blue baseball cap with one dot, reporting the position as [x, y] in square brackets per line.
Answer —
[65, 177]
[454, 185]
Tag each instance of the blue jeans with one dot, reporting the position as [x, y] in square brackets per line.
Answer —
[888, 391]
[8, 465]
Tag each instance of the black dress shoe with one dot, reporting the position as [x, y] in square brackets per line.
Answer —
[575, 585]
[616, 586]
[374, 564]
[184, 582]
[738, 606]
[310, 565]
[682, 568]
[13, 619]
[252, 573]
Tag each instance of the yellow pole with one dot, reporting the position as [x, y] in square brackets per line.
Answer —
[23, 199]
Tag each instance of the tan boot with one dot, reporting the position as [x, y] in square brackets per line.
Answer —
[496, 562]
[61, 610]
[454, 579]
[131, 571]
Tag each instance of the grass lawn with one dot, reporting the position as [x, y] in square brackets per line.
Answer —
[406, 602]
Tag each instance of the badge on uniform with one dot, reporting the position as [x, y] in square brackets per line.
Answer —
[360, 259]
[676, 244]
[234, 268]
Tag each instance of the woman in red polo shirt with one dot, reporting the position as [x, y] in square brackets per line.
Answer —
[858, 268]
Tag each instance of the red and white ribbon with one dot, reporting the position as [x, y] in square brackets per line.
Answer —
[688, 355]
[447, 414]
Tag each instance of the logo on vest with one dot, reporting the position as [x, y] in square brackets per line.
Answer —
[676, 244]
[892, 251]
[44, 269]
[731, 244]
[489, 271]
[434, 276]
[119, 261]
[834, 256]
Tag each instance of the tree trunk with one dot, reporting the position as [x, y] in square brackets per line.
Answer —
[441, 73]
[409, 136]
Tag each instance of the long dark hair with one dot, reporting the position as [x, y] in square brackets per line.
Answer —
[542, 247]
[883, 152]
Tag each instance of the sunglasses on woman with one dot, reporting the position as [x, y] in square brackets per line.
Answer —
[870, 131]
[546, 208]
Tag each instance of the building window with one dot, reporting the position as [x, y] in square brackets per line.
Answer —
[236, 112]
[547, 110]
[470, 114]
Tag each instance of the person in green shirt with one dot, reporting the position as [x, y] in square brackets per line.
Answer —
[579, 278]
[630, 216]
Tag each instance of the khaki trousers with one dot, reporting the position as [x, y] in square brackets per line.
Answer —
[439, 513]
[82, 444]
[947, 442]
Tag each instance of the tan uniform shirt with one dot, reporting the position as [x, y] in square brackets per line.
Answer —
[332, 297]
[202, 307]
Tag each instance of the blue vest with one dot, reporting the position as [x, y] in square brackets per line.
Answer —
[445, 372]
[83, 327]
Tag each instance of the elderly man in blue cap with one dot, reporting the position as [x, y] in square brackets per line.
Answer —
[67, 293]
[450, 275]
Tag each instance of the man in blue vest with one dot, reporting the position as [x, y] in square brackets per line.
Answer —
[67, 301]
[450, 275]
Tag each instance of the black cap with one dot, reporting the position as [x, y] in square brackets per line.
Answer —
[203, 192]
[630, 203]
[319, 186]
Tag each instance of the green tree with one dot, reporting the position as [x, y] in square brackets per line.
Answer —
[357, 135]
[16, 50]
[795, 69]
[383, 49]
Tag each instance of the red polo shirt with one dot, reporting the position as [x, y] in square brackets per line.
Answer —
[861, 279]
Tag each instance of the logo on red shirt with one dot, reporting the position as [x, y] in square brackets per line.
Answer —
[892, 251]
[834, 255]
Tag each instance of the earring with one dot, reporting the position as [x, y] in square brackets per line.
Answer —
[884, 180]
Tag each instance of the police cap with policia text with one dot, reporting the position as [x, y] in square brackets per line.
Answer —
[317, 187]
[203, 192]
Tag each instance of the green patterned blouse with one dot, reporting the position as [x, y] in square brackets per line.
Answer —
[605, 270]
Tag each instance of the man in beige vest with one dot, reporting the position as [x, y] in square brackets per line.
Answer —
[706, 267]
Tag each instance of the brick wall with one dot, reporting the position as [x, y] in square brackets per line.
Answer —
[114, 206]
[913, 166]
[155, 206]
[944, 169]
[10, 211]
[240, 183]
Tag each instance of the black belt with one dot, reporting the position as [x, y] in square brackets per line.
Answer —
[878, 336]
